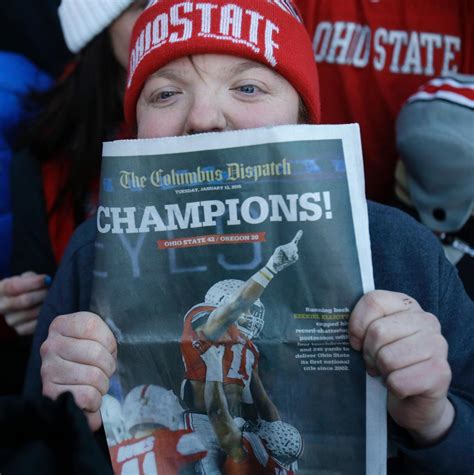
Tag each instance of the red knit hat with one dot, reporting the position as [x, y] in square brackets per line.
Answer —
[268, 31]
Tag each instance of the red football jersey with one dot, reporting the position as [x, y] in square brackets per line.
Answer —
[258, 461]
[164, 451]
[373, 54]
[240, 354]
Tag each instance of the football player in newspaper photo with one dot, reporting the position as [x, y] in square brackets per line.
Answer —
[112, 417]
[230, 317]
[264, 448]
[154, 438]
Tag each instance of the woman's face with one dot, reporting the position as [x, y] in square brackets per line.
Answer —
[120, 31]
[214, 93]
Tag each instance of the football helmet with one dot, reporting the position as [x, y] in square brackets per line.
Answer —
[249, 323]
[111, 412]
[283, 441]
[150, 405]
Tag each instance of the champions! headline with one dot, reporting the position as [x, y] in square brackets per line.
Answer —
[200, 214]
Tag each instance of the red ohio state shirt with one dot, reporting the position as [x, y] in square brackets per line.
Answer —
[373, 54]
[258, 461]
[240, 354]
[159, 452]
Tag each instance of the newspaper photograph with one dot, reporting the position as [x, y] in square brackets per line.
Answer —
[227, 265]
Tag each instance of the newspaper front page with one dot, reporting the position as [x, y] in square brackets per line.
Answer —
[227, 266]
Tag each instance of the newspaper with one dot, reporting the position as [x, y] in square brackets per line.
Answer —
[227, 265]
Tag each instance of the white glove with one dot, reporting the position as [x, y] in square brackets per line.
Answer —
[285, 255]
[212, 358]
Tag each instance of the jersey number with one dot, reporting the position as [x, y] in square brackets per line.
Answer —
[242, 362]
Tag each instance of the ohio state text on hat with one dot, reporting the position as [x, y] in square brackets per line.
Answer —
[266, 31]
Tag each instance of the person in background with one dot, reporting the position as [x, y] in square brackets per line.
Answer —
[18, 78]
[54, 177]
[215, 83]
[373, 54]
[31, 28]
[435, 175]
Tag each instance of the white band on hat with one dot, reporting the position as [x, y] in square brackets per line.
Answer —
[82, 20]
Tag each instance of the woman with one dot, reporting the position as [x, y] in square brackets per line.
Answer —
[54, 178]
[217, 67]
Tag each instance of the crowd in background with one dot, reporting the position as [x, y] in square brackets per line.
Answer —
[403, 70]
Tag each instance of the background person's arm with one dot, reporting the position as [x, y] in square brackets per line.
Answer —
[20, 300]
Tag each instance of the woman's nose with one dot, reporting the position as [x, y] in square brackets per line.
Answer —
[205, 115]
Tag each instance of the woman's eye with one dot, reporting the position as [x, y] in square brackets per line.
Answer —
[248, 89]
[163, 96]
[166, 94]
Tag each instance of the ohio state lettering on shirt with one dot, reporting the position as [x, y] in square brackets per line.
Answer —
[374, 54]
[401, 52]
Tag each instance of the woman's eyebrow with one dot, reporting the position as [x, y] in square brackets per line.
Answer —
[168, 74]
[245, 66]
[241, 67]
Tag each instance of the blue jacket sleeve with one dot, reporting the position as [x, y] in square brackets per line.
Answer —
[454, 453]
[18, 77]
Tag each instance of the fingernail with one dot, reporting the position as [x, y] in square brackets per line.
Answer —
[355, 342]
[372, 371]
[47, 280]
[369, 361]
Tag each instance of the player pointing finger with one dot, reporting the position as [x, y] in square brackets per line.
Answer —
[297, 237]
[284, 255]
[233, 306]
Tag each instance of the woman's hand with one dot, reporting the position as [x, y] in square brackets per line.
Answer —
[21, 298]
[403, 343]
[79, 356]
